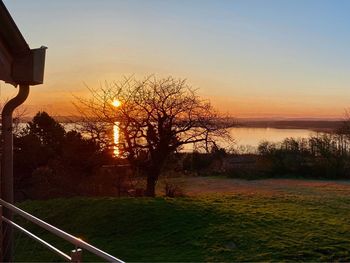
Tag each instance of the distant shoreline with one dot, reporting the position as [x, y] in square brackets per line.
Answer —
[313, 125]
[317, 125]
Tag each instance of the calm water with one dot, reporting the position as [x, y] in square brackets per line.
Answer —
[248, 139]
[251, 137]
[245, 139]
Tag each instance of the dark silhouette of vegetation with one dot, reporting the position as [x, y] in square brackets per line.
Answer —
[204, 163]
[48, 161]
[156, 118]
[321, 156]
[325, 155]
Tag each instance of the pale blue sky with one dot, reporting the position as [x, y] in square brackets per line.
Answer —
[251, 58]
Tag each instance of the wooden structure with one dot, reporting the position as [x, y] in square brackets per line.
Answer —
[20, 66]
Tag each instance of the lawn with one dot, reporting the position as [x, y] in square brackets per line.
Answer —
[246, 226]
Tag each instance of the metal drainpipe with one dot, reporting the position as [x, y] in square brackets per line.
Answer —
[7, 168]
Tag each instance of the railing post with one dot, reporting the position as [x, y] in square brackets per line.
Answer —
[77, 255]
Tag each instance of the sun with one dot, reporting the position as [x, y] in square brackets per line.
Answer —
[116, 103]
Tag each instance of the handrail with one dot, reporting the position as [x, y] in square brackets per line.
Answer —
[36, 238]
[58, 232]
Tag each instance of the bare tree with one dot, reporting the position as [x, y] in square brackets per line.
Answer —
[156, 117]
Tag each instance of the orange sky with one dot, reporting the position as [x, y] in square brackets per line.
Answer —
[250, 60]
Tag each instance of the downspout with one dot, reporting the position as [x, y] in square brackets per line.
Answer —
[7, 167]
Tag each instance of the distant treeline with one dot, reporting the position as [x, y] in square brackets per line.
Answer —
[322, 156]
[325, 155]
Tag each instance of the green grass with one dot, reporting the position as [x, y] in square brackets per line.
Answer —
[215, 228]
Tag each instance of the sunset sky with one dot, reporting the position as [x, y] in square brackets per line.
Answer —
[250, 58]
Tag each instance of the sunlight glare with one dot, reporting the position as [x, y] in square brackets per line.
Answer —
[116, 103]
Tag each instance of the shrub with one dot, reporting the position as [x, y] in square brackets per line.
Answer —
[172, 190]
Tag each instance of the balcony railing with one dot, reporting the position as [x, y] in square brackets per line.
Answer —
[75, 255]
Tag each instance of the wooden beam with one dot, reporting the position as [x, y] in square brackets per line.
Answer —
[6, 61]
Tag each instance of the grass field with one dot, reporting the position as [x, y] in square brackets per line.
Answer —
[303, 224]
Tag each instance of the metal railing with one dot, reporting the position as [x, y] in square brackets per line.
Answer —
[78, 243]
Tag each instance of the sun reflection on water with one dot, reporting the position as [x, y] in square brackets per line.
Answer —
[116, 135]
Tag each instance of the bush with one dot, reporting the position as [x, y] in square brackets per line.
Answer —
[172, 190]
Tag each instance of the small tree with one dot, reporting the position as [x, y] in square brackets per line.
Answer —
[47, 130]
[156, 117]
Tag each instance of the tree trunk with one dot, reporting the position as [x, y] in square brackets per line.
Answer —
[152, 177]
[151, 187]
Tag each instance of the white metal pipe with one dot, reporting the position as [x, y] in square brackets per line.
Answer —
[58, 232]
[36, 238]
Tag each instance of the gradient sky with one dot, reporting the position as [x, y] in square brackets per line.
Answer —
[252, 58]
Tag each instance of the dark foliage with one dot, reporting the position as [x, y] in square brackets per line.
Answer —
[48, 161]
[321, 156]
[203, 163]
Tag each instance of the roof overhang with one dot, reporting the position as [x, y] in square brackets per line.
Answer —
[18, 63]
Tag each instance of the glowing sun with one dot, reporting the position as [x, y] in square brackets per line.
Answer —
[116, 103]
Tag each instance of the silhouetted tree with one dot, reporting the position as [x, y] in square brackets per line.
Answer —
[49, 132]
[156, 118]
[49, 159]
[80, 153]
[40, 141]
